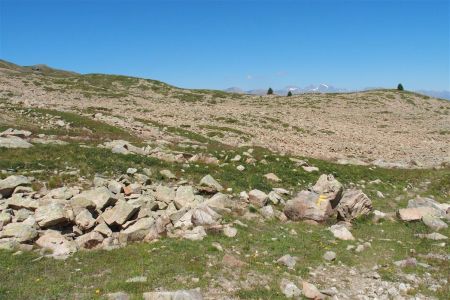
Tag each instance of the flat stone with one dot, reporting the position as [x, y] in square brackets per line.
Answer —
[119, 214]
[89, 240]
[434, 222]
[272, 177]
[289, 289]
[257, 198]
[100, 196]
[57, 243]
[138, 230]
[341, 232]
[165, 194]
[311, 292]
[51, 215]
[329, 256]
[210, 182]
[13, 142]
[8, 184]
[415, 213]
[288, 261]
[184, 196]
[20, 231]
[176, 295]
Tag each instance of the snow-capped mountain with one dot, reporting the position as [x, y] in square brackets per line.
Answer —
[312, 88]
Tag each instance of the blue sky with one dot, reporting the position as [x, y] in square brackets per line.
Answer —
[249, 44]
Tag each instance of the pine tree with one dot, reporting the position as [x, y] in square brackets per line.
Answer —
[270, 91]
[289, 94]
[400, 87]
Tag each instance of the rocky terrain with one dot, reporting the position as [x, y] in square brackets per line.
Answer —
[122, 188]
[380, 127]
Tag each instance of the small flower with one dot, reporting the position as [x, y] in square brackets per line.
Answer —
[97, 291]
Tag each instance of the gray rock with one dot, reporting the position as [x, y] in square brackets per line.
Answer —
[267, 212]
[100, 196]
[289, 289]
[176, 295]
[184, 197]
[432, 236]
[165, 194]
[434, 222]
[57, 243]
[103, 229]
[311, 292]
[18, 202]
[341, 232]
[13, 142]
[167, 174]
[84, 219]
[219, 202]
[20, 231]
[89, 240]
[328, 186]
[354, 204]
[437, 209]
[204, 216]
[8, 184]
[51, 215]
[288, 261]
[117, 296]
[310, 206]
[415, 213]
[115, 187]
[229, 231]
[137, 279]
[138, 230]
[196, 234]
[15, 132]
[329, 256]
[119, 214]
[210, 182]
[257, 198]
[5, 218]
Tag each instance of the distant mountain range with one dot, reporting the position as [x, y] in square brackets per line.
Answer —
[325, 88]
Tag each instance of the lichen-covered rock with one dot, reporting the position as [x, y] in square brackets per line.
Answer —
[57, 243]
[51, 215]
[8, 184]
[20, 231]
[354, 204]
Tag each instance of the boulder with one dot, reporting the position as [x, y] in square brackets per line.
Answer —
[20, 231]
[310, 206]
[415, 213]
[204, 216]
[115, 187]
[311, 292]
[100, 196]
[329, 188]
[103, 229]
[13, 142]
[267, 212]
[329, 256]
[341, 232]
[289, 289]
[196, 234]
[439, 209]
[288, 261]
[84, 219]
[434, 222]
[138, 230]
[18, 202]
[89, 240]
[354, 204]
[8, 184]
[15, 132]
[119, 214]
[272, 177]
[209, 182]
[64, 193]
[5, 218]
[165, 194]
[51, 215]
[184, 197]
[176, 295]
[57, 243]
[257, 198]
[229, 231]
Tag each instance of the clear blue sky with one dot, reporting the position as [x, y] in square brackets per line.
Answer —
[249, 44]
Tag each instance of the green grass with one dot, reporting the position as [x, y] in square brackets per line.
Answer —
[85, 273]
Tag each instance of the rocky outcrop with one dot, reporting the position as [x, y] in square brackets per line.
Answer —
[354, 204]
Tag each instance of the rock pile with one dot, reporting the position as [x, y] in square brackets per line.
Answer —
[326, 198]
[111, 214]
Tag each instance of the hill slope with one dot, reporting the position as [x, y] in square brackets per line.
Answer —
[382, 127]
